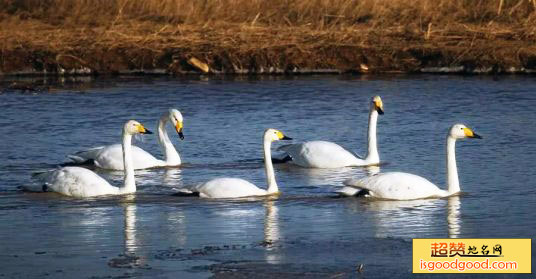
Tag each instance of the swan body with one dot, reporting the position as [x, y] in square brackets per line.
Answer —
[406, 186]
[324, 154]
[111, 156]
[83, 183]
[227, 187]
[321, 154]
[76, 182]
[398, 186]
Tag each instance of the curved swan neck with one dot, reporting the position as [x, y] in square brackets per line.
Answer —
[372, 155]
[170, 154]
[453, 184]
[268, 167]
[129, 185]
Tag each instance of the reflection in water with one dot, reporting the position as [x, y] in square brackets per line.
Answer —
[177, 227]
[271, 232]
[399, 218]
[131, 242]
[413, 218]
[372, 170]
[404, 218]
[172, 177]
[453, 216]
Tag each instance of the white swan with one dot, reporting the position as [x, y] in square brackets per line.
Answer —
[325, 154]
[228, 187]
[111, 156]
[406, 186]
[82, 183]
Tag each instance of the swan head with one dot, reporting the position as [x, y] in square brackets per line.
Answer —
[460, 131]
[273, 135]
[377, 104]
[175, 117]
[133, 127]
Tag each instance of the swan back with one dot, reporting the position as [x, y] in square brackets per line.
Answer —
[321, 154]
[111, 157]
[397, 186]
[76, 182]
[228, 187]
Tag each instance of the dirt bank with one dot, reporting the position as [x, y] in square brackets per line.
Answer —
[32, 43]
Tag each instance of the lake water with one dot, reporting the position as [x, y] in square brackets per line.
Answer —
[307, 231]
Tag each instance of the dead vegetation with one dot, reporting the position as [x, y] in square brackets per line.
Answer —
[239, 36]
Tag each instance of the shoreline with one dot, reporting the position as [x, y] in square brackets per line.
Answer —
[240, 50]
[182, 37]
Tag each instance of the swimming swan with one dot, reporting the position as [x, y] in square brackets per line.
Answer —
[111, 156]
[82, 183]
[325, 154]
[228, 187]
[406, 186]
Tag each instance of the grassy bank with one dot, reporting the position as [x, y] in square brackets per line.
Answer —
[257, 36]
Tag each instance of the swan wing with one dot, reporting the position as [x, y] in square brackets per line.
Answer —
[75, 182]
[111, 157]
[228, 188]
[321, 154]
[397, 186]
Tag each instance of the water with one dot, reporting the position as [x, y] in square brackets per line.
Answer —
[305, 232]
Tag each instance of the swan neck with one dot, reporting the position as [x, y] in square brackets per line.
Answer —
[269, 168]
[452, 171]
[372, 155]
[129, 184]
[171, 156]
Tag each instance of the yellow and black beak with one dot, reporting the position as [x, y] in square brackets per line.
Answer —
[378, 105]
[178, 128]
[470, 134]
[281, 136]
[143, 130]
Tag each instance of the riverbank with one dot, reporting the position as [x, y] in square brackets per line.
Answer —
[56, 38]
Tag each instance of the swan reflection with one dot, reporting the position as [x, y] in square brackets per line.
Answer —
[404, 218]
[131, 242]
[172, 177]
[129, 208]
[411, 218]
[272, 234]
[453, 216]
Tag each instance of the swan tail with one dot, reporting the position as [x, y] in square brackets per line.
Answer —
[40, 184]
[284, 156]
[186, 193]
[35, 188]
[348, 191]
[78, 162]
[285, 148]
[282, 160]
[84, 156]
[356, 188]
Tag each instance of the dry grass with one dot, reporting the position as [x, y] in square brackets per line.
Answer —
[317, 13]
[390, 35]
